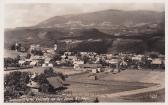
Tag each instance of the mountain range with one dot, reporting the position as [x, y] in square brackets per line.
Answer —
[114, 17]
[101, 25]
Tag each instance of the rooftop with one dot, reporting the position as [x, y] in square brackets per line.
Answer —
[55, 82]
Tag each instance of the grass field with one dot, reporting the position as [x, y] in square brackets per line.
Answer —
[113, 83]
[155, 96]
[81, 84]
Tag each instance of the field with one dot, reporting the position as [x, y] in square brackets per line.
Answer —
[156, 96]
[82, 84]
[108, 83]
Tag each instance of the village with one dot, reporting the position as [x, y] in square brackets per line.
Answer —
[80, 71]
[37, 56]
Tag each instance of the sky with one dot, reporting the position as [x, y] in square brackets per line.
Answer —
[23, 15]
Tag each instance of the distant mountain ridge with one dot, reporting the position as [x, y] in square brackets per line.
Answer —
[89, 32]
[115, 17]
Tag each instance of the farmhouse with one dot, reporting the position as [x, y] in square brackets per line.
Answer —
[77, 63]
[22, 62]
[157, 63]
[114, 64]
[35, 47]
[47, 65]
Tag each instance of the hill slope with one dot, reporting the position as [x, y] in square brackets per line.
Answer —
[129, 32]
[94, 19]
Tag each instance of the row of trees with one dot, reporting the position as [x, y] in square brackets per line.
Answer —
[16, 47]
[37, 52]
[11, 62]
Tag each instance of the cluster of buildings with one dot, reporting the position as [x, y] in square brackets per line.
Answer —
[88, 60]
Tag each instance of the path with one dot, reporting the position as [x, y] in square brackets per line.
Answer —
[133, 92]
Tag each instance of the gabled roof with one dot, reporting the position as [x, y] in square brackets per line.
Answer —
[55, 82]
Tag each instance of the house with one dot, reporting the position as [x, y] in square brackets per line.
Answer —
[114, 64]
[47, 65]
[51, 51]
[22, 62]
[113, 61]
[157, 63]
[136, 58]
[63, 56]
[83, 53]
[73, 58]
[76, 64]
[96, 70]
[68, 53]
[47, 60]
[34, 47]
[109, 56]
[33, 63]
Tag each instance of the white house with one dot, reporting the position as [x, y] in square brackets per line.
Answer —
[156, 61]
[33, 63]
[21, 62]
[47, 65]
[77, 63]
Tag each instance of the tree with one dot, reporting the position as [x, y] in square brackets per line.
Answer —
[37, 52]
[57, 57]
[153, 55]
[44, 87]
[96, 100]
[28, 56]
[16, 78]
[49, 72]
[15, 83]
[85, 59]
[41, 79]
[13, 47]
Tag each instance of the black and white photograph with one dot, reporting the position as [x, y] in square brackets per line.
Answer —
[84, 52]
